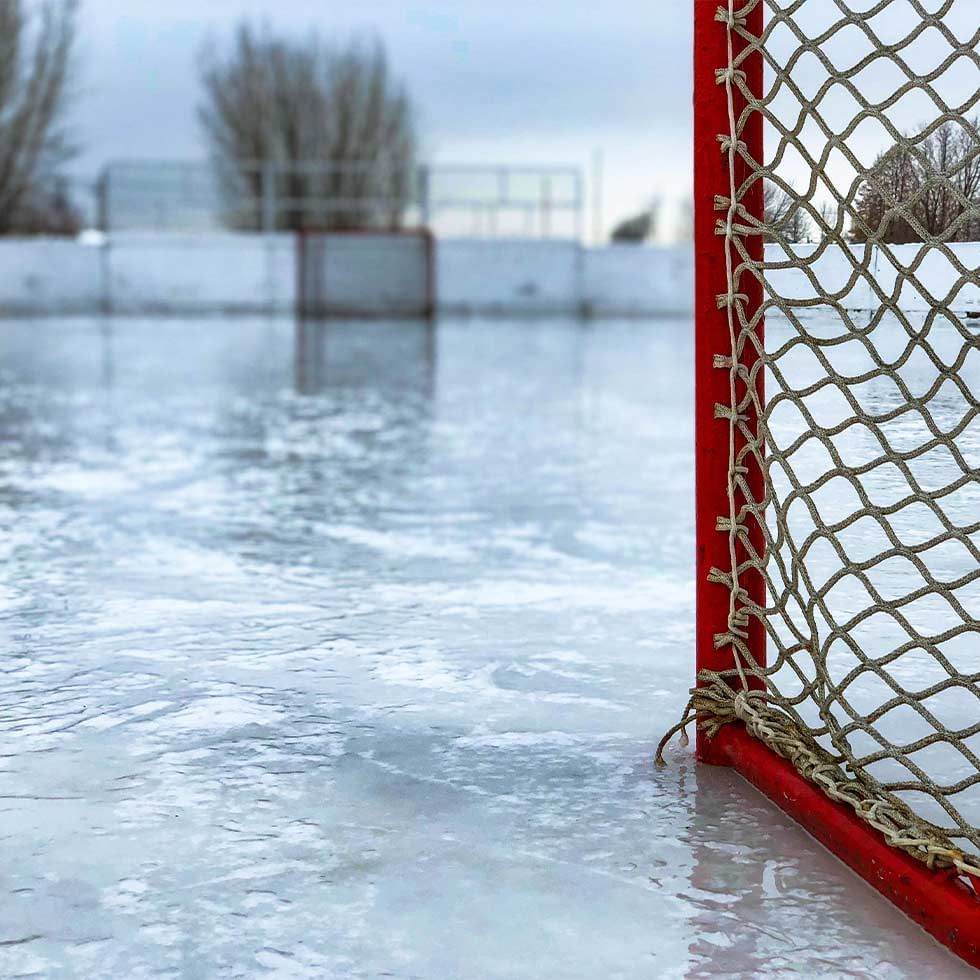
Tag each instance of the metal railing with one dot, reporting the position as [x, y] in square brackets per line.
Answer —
[453, 200]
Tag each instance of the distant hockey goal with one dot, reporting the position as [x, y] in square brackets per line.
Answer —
[837, 182]
[371, 273]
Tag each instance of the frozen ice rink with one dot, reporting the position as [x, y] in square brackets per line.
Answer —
[342, 652]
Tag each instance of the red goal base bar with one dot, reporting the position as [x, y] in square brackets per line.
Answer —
[937, 900]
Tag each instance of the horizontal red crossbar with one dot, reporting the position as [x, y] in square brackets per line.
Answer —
[938, 900]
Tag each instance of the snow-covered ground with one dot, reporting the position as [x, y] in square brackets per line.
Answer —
[342, 653]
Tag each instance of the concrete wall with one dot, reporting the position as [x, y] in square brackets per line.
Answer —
[188, 273]
[626, 280]
[39, 275]
[509, 276]
[200, 273]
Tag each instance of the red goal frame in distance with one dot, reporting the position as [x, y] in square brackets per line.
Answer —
[424, 234]
[937, 900]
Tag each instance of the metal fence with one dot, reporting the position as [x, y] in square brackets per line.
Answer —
[451, 200]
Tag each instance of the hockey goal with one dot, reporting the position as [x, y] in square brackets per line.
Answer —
[369, 273]
[837, 184]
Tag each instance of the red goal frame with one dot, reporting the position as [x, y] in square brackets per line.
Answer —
[937, 900]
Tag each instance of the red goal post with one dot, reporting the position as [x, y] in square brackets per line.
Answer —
[939, 901]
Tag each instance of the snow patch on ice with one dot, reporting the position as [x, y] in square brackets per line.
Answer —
[108, 720]
[84, 482]
[522, 740]
[648, 595]
[223, 713]
[401, 545]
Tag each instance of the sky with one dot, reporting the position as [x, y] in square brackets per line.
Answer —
[495, 81]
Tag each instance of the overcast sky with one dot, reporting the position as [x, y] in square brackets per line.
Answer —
[496, 81]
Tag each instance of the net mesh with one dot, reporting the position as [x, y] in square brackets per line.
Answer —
[860, 410]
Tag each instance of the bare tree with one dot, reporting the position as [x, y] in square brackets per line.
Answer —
[785, 215]
[830, 215]
[950, 165]
[320, 122]
[36, 43]
[934, 183]
[886, 199]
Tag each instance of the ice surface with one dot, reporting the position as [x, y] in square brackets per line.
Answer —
[342, 652]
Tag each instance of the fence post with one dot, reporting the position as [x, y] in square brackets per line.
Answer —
[102, 201]
[425, 196]
[269, 202]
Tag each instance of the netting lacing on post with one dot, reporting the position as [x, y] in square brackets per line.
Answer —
[869, 438]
